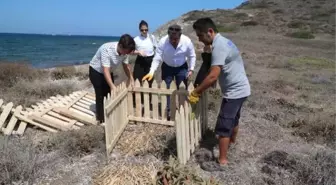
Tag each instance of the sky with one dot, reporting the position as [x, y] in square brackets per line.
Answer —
[100, 17]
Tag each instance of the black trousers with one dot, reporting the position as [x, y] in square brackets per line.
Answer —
[204, 70]
[141, 68]
[101, 90]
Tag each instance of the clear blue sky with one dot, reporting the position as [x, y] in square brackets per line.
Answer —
[99, 17]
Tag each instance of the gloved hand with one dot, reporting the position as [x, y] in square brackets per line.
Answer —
[148, 77]
[193, 97]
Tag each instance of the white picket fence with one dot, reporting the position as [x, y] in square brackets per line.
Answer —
[121, 108]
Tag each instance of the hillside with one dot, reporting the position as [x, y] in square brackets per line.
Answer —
[295, 18]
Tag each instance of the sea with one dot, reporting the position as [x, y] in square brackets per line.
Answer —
[46, 51]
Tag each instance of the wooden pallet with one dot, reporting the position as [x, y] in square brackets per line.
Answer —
[58, 113]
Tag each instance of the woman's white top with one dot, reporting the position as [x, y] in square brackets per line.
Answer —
[146, 44]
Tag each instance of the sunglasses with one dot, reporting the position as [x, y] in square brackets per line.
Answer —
[143, 30]
[174, 29]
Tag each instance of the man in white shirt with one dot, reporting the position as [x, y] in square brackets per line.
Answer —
[173, 49]
[108, 57]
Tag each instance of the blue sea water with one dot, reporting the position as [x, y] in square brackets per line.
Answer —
[44, 51]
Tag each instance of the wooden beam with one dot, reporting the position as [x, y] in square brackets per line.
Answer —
[148, 120]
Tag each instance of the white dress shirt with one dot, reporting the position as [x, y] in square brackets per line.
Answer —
[174, 57]
[107, 56]
[146, 44]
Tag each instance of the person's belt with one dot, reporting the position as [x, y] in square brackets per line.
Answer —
[175, 66]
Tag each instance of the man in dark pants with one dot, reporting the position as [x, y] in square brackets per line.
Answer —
[174, 49]
[228, 67]
[108, 57]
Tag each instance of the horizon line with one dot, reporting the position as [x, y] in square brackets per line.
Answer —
[58, 34]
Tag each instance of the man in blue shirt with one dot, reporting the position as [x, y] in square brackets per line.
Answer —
[227, 67]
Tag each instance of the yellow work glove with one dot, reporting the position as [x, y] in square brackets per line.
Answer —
[148, 77]
[193, 97]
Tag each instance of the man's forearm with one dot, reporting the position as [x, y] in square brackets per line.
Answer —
[127, 69]
[108, 77]
[155, 64]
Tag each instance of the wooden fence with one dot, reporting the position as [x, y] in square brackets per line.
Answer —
[190, 124]
[124, 105]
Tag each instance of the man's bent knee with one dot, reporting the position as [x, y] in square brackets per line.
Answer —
[224, 126]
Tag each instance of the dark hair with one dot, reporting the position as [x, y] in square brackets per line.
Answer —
[142, 23]
[126, 41]
[203, 24]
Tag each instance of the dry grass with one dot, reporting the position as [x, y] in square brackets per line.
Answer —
[144, 138]
[309, 169]
[10, 73]
[128, 171]
[41, 157]
[319, 128]
[22, 81]
[172, 173]
[76, 143]
[17, 161]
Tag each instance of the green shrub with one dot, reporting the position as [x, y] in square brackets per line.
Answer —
[240, 15]
[319, 63]
[227, 28]
[277, 11]
[301, 35]
[249, 23]
[295, 24]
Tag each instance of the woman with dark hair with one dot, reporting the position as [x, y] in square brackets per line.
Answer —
[145, 49]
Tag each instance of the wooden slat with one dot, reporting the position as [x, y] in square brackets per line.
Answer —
[86, 111]
[75, 100]
[155, 101]
[187, 129]
[28, 120]
[173, 100]
[13, 121]
[90, 97]
[163, 102]
[130, 108]
[178, 129]
[74, 115]
[182, 118]
[138, 106]
[85, 102]
[48, 122]
[146, 101]
[21, 129]
[161, 122]
[4, 114]
[83, 105]
[89, 100]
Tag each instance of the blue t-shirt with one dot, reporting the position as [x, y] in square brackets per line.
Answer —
[232, 79]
